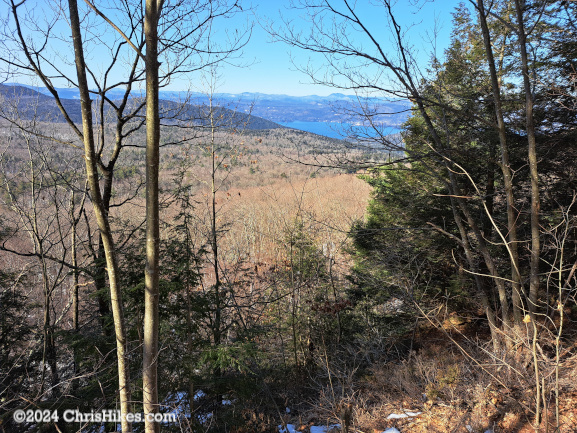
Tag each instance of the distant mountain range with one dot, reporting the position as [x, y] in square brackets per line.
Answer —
[275, 108]
[28, 103]
[332, 108]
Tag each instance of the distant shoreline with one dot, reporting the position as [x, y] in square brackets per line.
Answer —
[328, 129]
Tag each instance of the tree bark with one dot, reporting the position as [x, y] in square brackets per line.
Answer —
[102, 218]
[532, 151]
[506, 170]
[151, 296]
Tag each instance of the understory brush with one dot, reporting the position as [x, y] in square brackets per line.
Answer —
[445, 385]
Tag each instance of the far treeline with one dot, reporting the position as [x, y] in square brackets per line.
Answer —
[145, 267]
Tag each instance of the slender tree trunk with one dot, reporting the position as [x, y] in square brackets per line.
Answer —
[535, 206]
[490, 190]
[75, 282]
[74, 252]
[151, 295]
[49, 347]
[190, 344]
[485, 253]
[217, 334]
[191, 261]
[481, 289]
[75, 324]
[49, 350]
[102, 219]
[506, 169]
[100, 288]
[530, 125]
[100, 278]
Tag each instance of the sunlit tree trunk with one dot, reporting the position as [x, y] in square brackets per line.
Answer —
[101, 218]
[151, 295]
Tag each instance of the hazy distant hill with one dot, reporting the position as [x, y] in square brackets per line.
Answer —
[27, 103]
[282, 108]
[313, 108]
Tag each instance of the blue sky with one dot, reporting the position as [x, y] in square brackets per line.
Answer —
[267, 65]
[274, 72]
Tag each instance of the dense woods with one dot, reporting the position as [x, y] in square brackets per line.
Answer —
[189, 260]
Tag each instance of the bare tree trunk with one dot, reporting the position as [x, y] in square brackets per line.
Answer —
[506, 169]
[100, 287]
[490, 190]
[481, 289]
[102, 219]
[151, 295]
[73, 248]
[48, 350]
[216, 328]
[485, 253]
[530, 125]
[74, 265]
[73, 252]
[535, 206]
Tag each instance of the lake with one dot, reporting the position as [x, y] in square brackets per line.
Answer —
[328, 129]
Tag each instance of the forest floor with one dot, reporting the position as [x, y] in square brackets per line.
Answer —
[450, 386]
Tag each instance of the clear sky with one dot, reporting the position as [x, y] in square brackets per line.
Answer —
[273, 71]
[268, 67]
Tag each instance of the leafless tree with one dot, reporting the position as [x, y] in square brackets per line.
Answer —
[175, 36]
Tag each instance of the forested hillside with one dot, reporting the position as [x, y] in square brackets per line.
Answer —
[28, 104]
[276, 108]
[229, 275]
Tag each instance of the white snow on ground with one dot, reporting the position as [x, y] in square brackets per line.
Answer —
[403, 415]
[314, 429]
[323, 429]
[203, 419]
[177, 403]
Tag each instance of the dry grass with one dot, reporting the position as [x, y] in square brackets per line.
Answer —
[455, 394]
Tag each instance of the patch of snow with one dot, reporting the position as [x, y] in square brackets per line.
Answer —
[391, 430]
[176, 397]
[177, 403]
[314, 429]
[403, 415]
[324, 429]
[203, 419]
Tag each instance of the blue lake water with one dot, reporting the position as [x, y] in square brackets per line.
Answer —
[328, 129]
